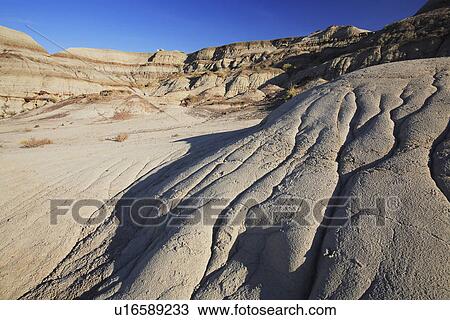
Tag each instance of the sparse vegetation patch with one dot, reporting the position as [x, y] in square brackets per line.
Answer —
[121, 137]
[34, 143]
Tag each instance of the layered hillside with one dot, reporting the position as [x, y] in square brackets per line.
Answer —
[245, 217]
[255, 70]
[33, 78]
[231, 76]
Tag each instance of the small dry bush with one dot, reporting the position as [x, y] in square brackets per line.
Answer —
[289, 69]
[287, 66]
[122, 115]
[290, 93]
[34, 143]
[121, 137]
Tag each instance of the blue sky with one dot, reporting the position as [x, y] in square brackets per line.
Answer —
[135, 25]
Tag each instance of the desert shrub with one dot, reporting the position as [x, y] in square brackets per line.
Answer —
[33, 142]
[290, 92]
[287, 66]
[122, 115]
[121, 137]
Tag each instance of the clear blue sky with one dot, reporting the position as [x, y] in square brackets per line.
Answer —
[135, 25]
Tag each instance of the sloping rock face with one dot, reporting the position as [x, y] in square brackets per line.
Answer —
[245, 74]
[341, 193]
[11, 39]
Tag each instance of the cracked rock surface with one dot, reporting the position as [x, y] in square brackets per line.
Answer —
[376, 140]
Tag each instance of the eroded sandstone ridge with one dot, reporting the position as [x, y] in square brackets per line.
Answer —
[378, 136]
[220, 78]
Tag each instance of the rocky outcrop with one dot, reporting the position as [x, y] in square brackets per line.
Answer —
[168, 57]
[172, 85]
[338, 194]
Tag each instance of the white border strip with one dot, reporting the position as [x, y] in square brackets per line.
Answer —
[87, 310]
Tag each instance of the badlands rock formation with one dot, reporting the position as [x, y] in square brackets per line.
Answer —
[239, 74]
[32, 78]
[378, 139]
[342, 192]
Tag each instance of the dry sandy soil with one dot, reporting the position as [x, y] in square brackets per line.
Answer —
[81, 163]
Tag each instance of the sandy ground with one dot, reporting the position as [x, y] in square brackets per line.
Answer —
[80, 164]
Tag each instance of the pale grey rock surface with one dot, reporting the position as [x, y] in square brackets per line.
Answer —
[377, 133]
